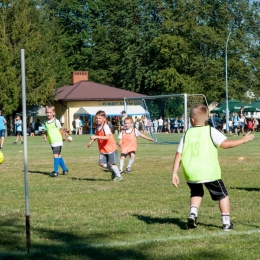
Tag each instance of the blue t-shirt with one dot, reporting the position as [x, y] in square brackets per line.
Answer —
[18, 125]
[2, 123]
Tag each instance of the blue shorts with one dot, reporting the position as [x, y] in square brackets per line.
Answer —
[2, 133]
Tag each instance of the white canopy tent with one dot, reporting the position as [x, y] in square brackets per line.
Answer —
[110, 111]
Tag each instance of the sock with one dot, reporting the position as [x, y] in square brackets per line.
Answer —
[62, 164]
[131, 160]
[116, 170]
[225, 218]
[56, 164]
[105, 166]
[121, 164]
[194, 210]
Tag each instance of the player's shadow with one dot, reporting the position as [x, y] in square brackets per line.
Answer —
[88, 179]
[245, 189]
[151, 220]
[39, 172]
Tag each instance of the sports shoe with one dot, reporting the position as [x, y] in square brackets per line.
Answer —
[21, 142]
[65, 172]
[120, 171]
[54, 174]
[113, 176]
[14, 142]
[1, 147]
[227, 227]
[192, 221]
[128, 170]
[117, 179]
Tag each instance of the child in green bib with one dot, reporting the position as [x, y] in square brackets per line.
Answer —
[198, 154]
[55, 136]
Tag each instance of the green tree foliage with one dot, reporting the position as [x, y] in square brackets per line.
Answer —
[24, 24]
[162, 47]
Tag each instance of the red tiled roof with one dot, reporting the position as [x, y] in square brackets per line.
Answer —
[87, 90]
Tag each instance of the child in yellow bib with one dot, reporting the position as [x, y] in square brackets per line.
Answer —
[197, 152]
[55, 136]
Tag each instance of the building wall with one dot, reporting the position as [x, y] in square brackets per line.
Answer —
[65, 110]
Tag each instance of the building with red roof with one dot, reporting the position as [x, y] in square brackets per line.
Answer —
[85, 93]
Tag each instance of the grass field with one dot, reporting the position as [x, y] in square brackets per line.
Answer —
[84, 215]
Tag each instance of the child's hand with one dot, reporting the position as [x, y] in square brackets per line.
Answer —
[93, 137]
[90, 143]
[248, 137]
[175, 180]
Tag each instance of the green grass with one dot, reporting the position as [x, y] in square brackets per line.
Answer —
[84, 215]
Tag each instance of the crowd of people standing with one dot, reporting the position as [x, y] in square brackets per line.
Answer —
[237, 123]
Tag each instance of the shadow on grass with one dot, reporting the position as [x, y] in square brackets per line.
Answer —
[39, 172]
[245, 189]
[89, 179]
[54, 245]
[151, 220]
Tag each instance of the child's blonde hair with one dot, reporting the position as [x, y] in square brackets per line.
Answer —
[101, 113]
[50, 107]
[129, 118]
[199, 113]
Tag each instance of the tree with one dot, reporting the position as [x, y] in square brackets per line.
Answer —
[24, 25]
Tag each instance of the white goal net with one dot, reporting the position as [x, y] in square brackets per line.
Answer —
[166, 116]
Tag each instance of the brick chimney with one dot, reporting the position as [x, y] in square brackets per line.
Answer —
[78, 76]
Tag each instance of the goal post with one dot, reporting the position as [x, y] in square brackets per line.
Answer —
[173, 109]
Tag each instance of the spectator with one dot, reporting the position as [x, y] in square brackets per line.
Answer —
[160, 124]
[77, 125]
[18, 129]
[2, 130]
[155, 125]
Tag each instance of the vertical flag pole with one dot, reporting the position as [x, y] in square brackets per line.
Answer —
[25, 152]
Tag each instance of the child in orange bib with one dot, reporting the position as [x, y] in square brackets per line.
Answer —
[108, 156]
[128, 143]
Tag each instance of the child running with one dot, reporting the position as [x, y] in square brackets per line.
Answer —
[128, 143]
[107, 146]
[55, 136]
[198, 154]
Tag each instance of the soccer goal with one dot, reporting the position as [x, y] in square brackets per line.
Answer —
[166, 117]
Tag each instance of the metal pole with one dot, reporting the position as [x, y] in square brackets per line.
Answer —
[185, 112]
[25, 152]
[227, 109]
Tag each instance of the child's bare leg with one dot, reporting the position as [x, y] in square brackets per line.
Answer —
[224, 205]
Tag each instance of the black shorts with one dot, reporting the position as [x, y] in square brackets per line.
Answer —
[18, 133]
[216, 189]
[56, 150]
[125, 154]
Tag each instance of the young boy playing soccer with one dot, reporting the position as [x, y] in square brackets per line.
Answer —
[107, 146]
[55, 136]
[198, 154]
[128, 143]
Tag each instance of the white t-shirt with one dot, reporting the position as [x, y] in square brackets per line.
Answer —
[160, 121]
[77, 123]
[106, 129]
[128, 131]
[217, 138]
